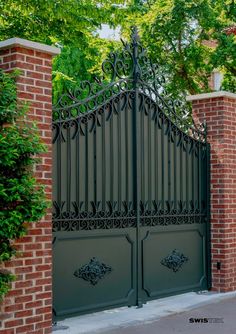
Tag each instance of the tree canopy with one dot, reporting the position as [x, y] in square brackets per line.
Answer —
[175, 31]
[71, 25]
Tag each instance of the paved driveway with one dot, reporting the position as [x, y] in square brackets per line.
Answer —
[216, 318]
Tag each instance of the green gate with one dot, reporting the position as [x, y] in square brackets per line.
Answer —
[131, 191]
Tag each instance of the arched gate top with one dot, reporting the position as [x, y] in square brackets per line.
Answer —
[126, 70]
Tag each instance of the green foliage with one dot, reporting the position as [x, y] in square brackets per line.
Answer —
[68, 22]
[176, 32]
[22, 199]
[224, 58]
[8, 97]
[71, 25]
[75, 65]
[229, 83]
[5, 279]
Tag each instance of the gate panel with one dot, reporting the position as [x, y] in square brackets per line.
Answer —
[161, 275]
[88, 275]
[131, 191]
[173, 220]
[94, 218]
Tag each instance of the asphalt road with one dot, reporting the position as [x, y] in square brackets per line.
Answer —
[215, 318]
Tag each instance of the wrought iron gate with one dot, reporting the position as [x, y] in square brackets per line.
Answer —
[131, 191]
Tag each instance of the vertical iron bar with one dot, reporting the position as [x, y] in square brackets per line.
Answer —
[95, 158]
[86, 166]
[169, 168]
[193, 173]
[208, 206]
[126, 152]
[68, 144]
[156, 157]
[188, 147]
[181, 168]
[142, 161]
[77, 165]
[175, 167]
[150, 185]
[120, 179]
[200, 177]
[111, 157]
[162, 167]
[103, 162]
[137, 175]
[59, 140]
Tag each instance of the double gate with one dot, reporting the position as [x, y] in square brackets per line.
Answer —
[130, 188]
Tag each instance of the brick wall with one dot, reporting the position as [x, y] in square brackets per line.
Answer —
[28, 306]
[219, 111]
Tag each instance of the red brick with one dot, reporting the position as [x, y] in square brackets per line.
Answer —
[34, 290]
[6, 315]
[33, 261]
[25, 96]
[22, 50]
[4, 52]
[24, 65]
[43, 69]
[34, 275]
[32, 246]
[43, 295]
[14, 263]
[43, 98]
[43, 55]
[5, 67]
[35, 75]
[15, 307]
[42, 83]
[44, 310]
[36, 90]
[20, 270]
[33, 60]
[34, 305]
[24, 329]
[34, 320]
[26, 81]
[14, 293]
[23, 314]
[23, 299]
[24, 284]
[13, 323]
[44, 324]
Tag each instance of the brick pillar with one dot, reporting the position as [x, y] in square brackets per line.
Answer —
[218, 109]
[28, 306]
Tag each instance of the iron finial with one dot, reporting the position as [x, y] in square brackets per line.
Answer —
[134, 35]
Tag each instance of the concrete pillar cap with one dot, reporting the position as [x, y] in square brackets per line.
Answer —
[220, 93]
[25, 43]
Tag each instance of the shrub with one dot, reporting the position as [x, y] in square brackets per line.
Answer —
[22, 199]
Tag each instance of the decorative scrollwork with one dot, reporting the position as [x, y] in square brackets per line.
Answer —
[151, 214]
[174, 261]
[126, 70]
[93, 271]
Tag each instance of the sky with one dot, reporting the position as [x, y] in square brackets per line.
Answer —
[107, 32]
